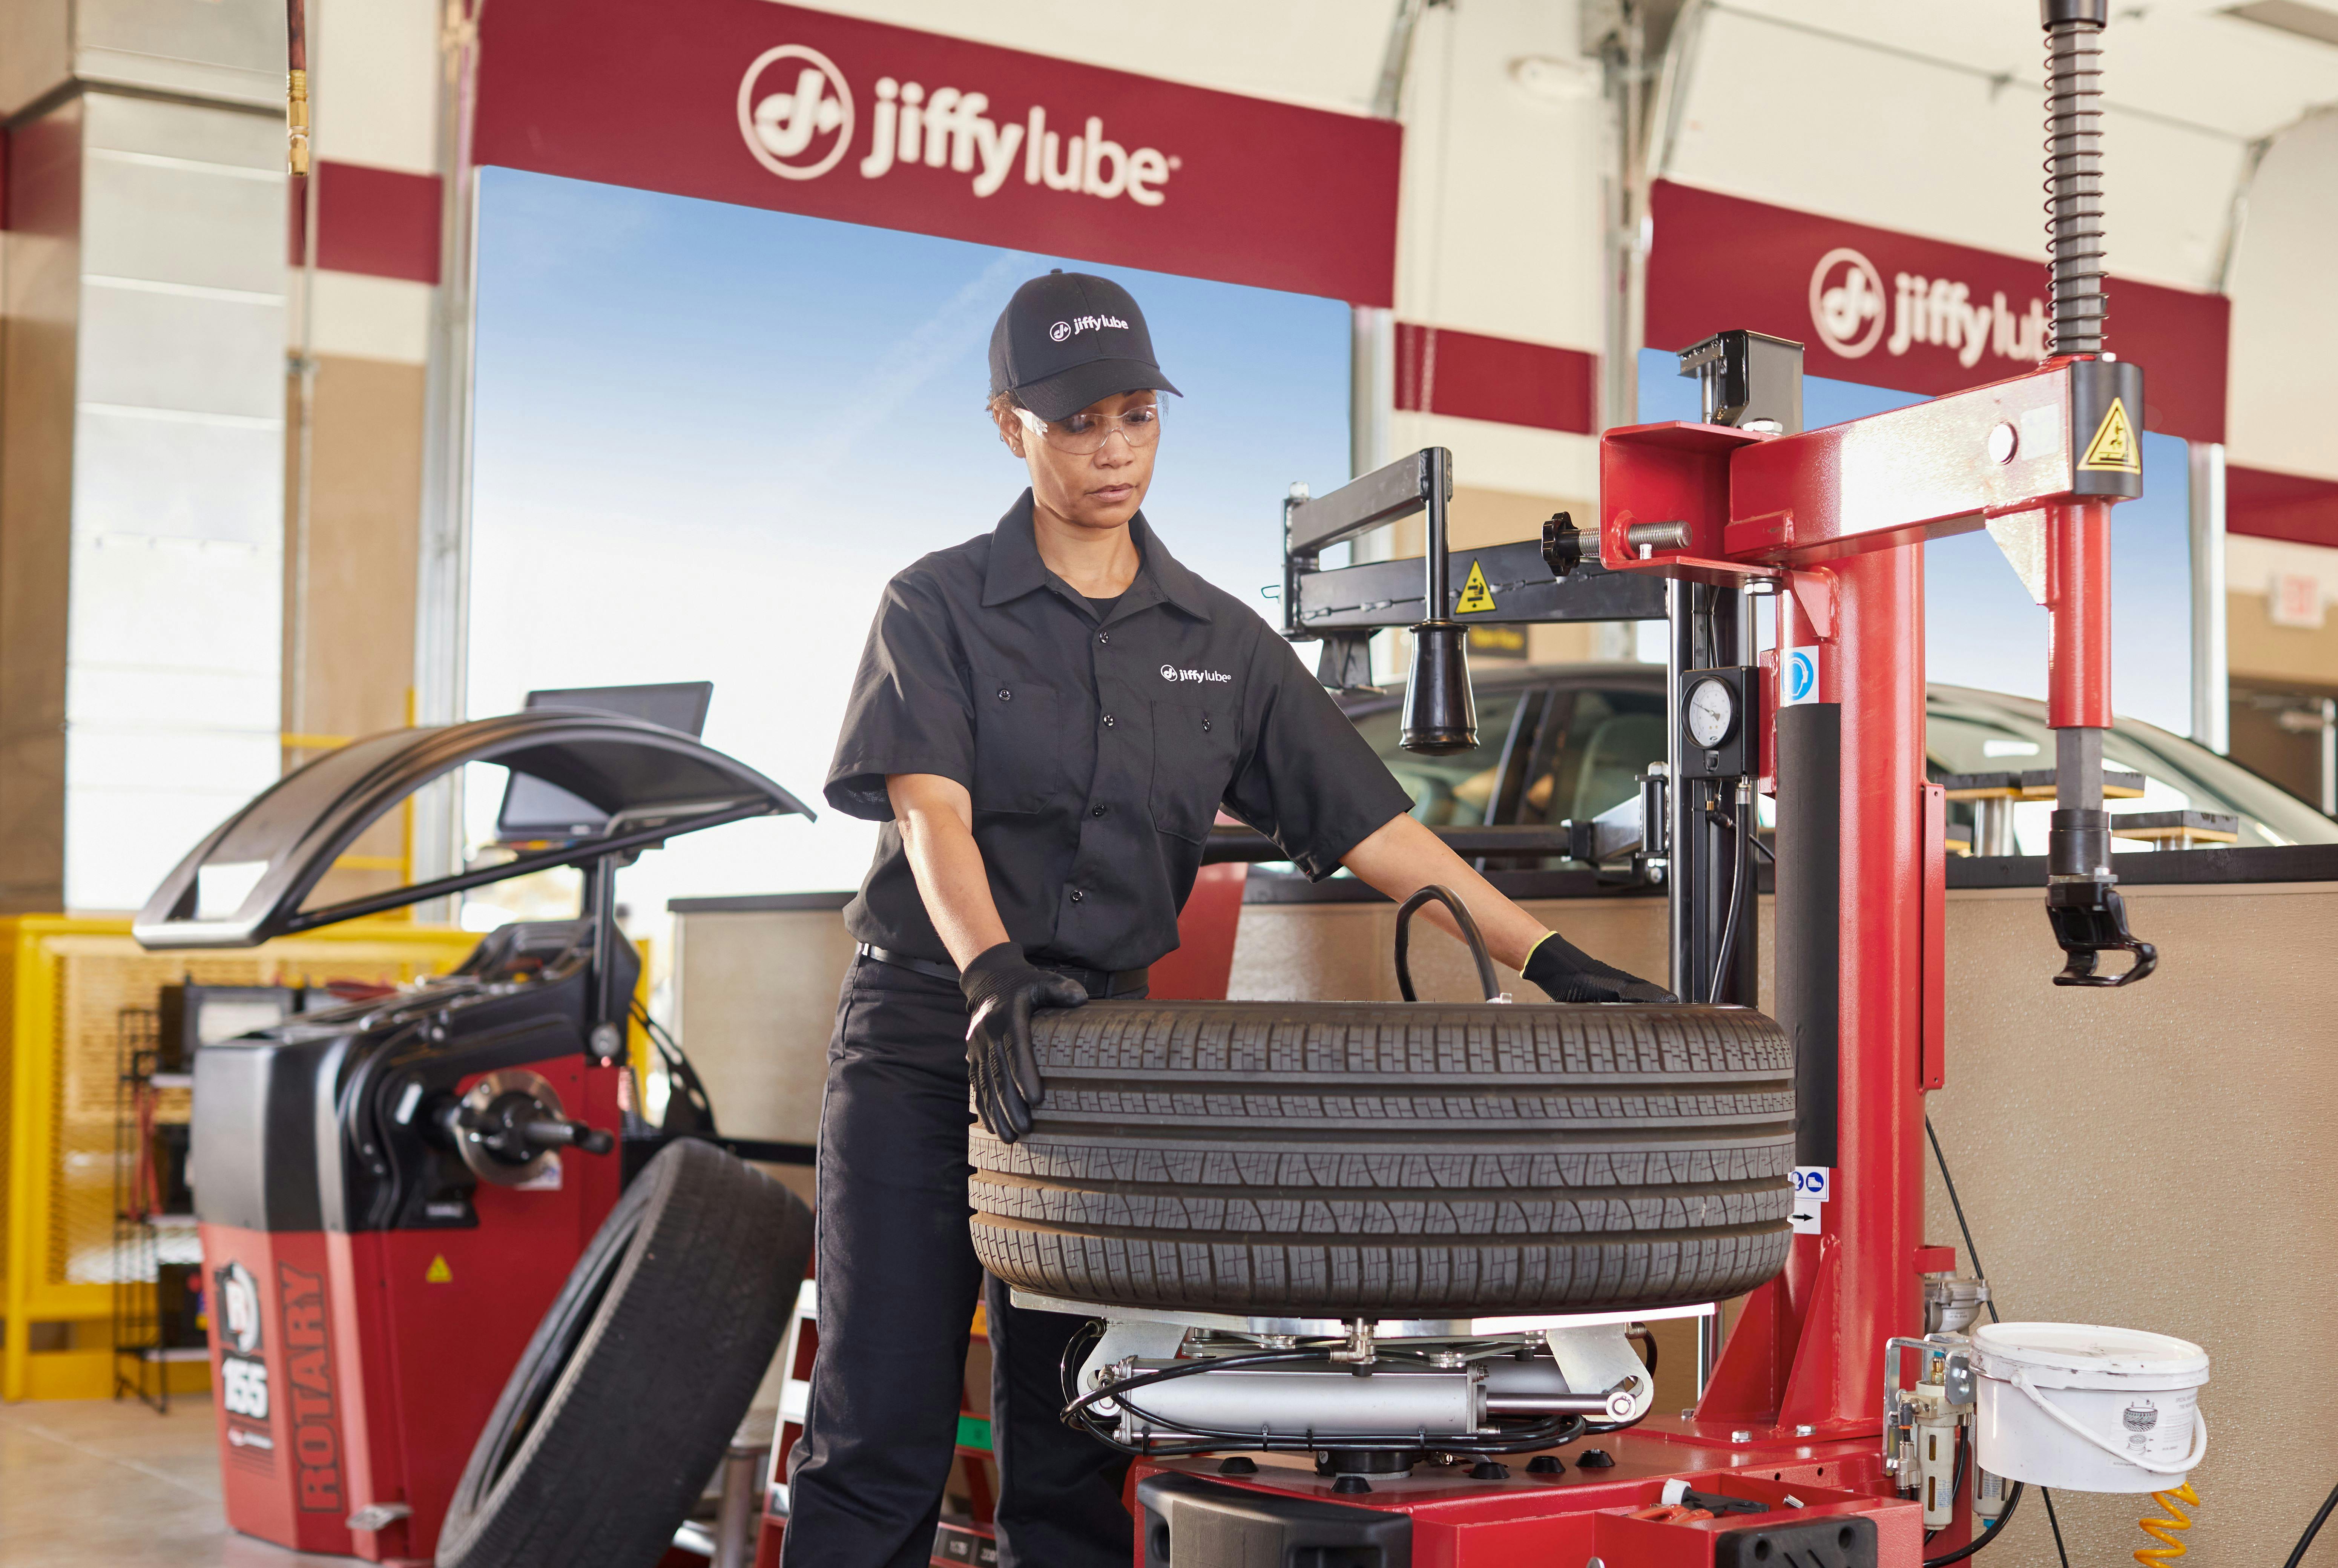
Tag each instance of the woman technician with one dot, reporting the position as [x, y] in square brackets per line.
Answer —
[1046, 721]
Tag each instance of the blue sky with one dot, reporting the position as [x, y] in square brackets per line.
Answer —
[1980, 627]
[707, 435]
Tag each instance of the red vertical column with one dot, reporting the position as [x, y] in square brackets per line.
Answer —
[2078, 603]
[1878, 674]
[1795, 630]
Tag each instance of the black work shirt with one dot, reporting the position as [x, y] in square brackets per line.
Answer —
[1097, 750]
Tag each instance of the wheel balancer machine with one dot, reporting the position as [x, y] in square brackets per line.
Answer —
[1805, 1415]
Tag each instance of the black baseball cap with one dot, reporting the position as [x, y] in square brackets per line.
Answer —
[1068, 338]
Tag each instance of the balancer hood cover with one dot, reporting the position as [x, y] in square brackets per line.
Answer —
[246, 882]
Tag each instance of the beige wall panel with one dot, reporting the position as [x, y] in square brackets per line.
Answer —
[2256, 647]
[2158, 1158]
[757, 1002]
[373, 68]
[38, 317]
[2284, 313]
[1343, 952]
[35, 50]
[1480, 517]
[365, 513]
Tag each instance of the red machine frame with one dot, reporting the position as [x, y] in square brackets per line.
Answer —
[1834, 521]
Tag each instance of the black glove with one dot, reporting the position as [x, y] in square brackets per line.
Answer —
[1567, 974]
[1002, 1068]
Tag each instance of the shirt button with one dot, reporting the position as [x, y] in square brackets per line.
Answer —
[1096, 811]
[1005, 695]
[1107, 721]
[1205, 726]
[1104, 636]
[1077, 894]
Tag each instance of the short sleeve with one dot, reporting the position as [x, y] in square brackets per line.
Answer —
[909, 712]
[1309, 781]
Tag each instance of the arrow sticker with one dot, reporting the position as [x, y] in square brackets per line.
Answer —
[1476, 597]
[2114, 447]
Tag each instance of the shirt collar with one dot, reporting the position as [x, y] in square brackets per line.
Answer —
[1016, 568]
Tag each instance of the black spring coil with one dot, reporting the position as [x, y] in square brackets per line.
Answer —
[2074, 187]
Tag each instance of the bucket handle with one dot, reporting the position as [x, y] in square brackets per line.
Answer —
[2020, 1379]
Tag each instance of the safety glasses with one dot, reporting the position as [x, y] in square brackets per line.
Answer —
[1083, 435]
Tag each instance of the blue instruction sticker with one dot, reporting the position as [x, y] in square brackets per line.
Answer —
[1798, 676]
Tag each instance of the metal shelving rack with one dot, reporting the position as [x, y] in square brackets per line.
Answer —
[145, 1236]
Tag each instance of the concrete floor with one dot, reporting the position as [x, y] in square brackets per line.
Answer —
[85, 1484]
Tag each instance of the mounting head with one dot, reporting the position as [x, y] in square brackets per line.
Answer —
[1745, 376]
[1438, 715]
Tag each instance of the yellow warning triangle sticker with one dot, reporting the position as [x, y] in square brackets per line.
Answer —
[2114, 446]
[438, 1273]
[1475, 594]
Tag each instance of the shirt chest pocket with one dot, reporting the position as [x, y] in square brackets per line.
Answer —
[1018, 763]
[1194, 750]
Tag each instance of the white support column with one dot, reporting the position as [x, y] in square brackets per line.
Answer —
[442, 608]
[1372, 388]
[2211, 674]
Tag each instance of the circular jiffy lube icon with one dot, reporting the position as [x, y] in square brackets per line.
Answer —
[795, 111]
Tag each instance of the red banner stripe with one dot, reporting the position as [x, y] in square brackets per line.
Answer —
[2270, 505]
[382, 223]
[1471, 377]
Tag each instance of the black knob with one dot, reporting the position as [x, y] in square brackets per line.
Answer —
[1562, 544]
[1488, 1470]
[1237, 1466]
[1595, 1459]
[1351, 1484]
[1546, 1465]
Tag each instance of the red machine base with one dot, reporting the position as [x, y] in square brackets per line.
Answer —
[355, 1370]
[1531, 1521]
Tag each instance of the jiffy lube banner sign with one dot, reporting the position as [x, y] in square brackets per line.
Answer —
[1897, 310]
[772, 105]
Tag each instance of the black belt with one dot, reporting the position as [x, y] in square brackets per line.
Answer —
[1096, 982]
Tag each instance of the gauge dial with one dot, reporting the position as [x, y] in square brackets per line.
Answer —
[1712, 712]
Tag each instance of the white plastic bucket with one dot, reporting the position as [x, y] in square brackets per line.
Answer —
[2088, 1409]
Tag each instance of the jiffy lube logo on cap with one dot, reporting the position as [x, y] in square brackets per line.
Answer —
[796, 113]
[1061, 331]
[1849, 308]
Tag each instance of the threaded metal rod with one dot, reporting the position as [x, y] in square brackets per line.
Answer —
[2074, 186]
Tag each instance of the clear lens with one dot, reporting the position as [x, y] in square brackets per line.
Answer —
[1083, 434]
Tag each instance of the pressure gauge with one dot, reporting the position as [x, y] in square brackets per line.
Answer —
[1711, 713]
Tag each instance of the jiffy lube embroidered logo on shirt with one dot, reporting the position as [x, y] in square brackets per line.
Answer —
[1171, 673]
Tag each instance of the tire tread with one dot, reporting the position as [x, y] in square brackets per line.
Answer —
[1399, 1159]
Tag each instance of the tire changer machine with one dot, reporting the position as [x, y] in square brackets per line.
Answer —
[1843, 1425]
[391, 1191]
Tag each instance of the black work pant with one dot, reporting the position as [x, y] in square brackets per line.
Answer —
[898, 1282]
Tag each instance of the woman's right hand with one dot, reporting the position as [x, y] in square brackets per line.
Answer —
[1002, 991]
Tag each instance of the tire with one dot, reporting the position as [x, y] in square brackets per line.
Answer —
[1336, 1158]
[624, 1402]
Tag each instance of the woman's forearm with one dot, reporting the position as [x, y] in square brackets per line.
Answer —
[1404, 856]
[936, 817]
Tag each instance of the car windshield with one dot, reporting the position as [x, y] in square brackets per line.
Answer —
[1593, 758]
[1454, 790]
[1602, 733]
[1971, 731]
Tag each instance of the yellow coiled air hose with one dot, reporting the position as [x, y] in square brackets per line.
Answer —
[2164, 1530]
